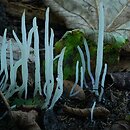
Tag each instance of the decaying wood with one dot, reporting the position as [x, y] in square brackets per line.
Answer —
[98, 111]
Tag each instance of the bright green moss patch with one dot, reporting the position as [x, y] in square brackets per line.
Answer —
[73, 38]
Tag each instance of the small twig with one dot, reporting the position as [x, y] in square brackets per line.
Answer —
[98, 111]
[6, 103]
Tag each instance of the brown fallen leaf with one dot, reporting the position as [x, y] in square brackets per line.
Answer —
[25, 120]
[67, 88]
[98, 111]
[84, 14]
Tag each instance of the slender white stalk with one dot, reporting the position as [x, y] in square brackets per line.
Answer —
[49, 58]
[81, 77]
[99, 60]
[49, 78]
[88, 61]
[24, 56]
[76, 79]
[50, 81]
[103, 82]
[37, 59]
[56, 57]
[59, 87]
[12, 88]
[46, 42]
[23, 28]
[82, 58]
[25, 51]
[93, 107]
[17, 39]
[81, 82]
[12, 74]
[83, 64]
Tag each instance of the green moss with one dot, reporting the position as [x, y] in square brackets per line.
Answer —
[73, 38]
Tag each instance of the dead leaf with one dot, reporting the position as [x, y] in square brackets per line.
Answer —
[83, 14]
[26, 120]
[67, 88]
